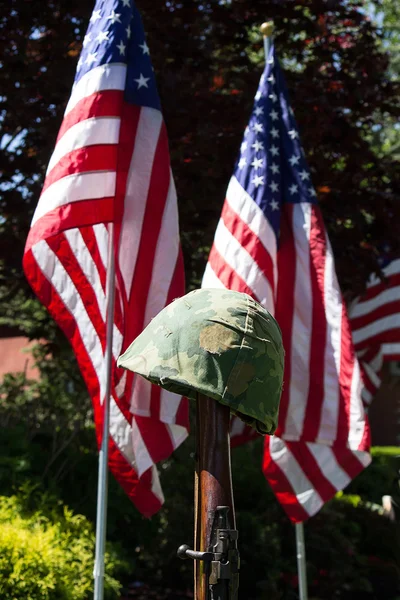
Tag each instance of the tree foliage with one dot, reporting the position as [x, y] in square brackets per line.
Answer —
[208, 57]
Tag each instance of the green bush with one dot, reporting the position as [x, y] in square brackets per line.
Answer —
[48, 554]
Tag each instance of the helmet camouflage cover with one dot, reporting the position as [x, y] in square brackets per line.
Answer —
[217, 342]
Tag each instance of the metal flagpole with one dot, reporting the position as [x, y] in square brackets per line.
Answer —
[267, 30]
[102, 482]
[301, 561]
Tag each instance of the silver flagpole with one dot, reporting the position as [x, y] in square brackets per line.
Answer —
[301, 561]
[267, 30]
[102, 482]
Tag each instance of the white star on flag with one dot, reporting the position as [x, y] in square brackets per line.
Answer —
[126, 2]
[271, 79]
[274, 133]
[242, 163]
[258, 95]
[274, 168]
[142, 81]
[87, 39]
[258, 146]
[114, 17]
[274, 204]
[274, 115]
[121, 47]
[128, 32]
[304, 175]
[145, 48]
[294, 134]
[273, 97]
[102, 36]
[293, 188]
[243, 146]
[258, 180]
[259, 110]
[294, 160]
[274, 150]
[274, 186]
[95, 16]
[258, 127]
[91, 58]
[312, 192]
[257, 163]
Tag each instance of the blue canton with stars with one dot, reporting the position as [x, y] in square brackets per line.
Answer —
[115, 35]
[272, 167]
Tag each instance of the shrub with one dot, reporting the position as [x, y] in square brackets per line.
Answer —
[48, 554]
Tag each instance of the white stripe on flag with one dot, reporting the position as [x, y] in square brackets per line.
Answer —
[301, 326]
[121, 432]
[58, 277]
[165, 257]
[243, 264]
[88, 266]
[210, 279]
[141, 453]
[393, 268]
[378, 326]
[333, 311]
[169, 404]
[79, 186]
[356, 410]
[251, 214]
[101, 235]
[329, 465]
[140, 402]
[305, 493]
[99, 79]
[93, 131]
[386, 296]
[139, 177]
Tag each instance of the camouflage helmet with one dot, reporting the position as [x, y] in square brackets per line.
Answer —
[217, 342]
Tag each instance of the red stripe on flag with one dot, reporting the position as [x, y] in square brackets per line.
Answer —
[312, 470]
[347, 360]
[318, 329]
[282, 488]
[385, 310]
[348, 461]
[138, 490]
[56, 307]
[82, 160]
[91, 244]
[228, 277]
[382, 337]
[285, 304]
[155, 436]
[62, 249]
[249, 241]
[99, 104]
[68, 216]
[387, 283]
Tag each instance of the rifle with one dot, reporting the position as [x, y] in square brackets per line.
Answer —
[216, 557]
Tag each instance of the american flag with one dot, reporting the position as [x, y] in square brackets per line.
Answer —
[111, 165]
[375, 322]
[272, 244]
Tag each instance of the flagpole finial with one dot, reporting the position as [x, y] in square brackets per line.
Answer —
[267, 28]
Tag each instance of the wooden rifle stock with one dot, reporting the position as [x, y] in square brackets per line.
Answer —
[213, 484]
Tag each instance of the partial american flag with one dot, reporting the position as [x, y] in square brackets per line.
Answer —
[272, 244]
[375, 322]
[111, 165]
